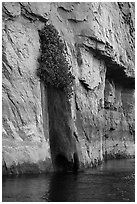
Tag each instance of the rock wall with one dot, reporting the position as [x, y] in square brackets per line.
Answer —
[42, 130]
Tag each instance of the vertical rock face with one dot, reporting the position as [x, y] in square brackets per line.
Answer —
[24, 142]
[42, 129]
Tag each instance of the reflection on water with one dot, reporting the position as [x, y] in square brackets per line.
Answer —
[112, 181]
[63, 188]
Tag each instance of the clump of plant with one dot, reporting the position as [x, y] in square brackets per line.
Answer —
[54, 68]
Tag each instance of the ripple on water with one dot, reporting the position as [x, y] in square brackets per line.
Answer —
[112, 181]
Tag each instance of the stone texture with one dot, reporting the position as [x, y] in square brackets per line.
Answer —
[98, 121]
[23, 135]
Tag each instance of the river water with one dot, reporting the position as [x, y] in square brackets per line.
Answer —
[112, 181]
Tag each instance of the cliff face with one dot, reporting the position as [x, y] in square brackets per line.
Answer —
[42, 129]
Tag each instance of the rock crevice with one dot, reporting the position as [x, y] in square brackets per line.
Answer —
[42, 128]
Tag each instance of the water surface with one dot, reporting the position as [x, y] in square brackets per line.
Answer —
[113, 181]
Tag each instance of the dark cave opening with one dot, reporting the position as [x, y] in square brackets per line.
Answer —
[62, 163]
[119, 77]
[76, 163]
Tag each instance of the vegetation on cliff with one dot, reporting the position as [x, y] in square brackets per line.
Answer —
[54, 68]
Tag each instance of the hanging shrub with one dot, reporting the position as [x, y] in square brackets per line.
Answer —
[54, 68]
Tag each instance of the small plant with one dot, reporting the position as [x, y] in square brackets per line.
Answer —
[54, 68]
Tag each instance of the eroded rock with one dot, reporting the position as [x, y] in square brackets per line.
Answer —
[98, 121]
